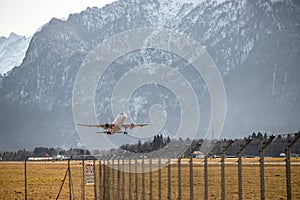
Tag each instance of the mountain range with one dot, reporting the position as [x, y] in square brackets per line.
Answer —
[255, 45]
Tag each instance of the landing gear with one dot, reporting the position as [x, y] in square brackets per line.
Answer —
[125, 133]
[108, 133]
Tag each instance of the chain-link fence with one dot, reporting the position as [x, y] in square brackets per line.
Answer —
[116, 177]
[196, 179]
[181, 179]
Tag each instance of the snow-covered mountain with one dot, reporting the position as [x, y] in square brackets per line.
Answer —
[255, 45]
[12, 51]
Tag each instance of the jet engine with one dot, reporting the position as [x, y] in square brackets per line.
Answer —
[131, 126]
[106, 126]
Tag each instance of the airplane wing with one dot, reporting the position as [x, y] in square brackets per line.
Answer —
[96, 125]
[141, 125]
[107, 132]
[132, 125]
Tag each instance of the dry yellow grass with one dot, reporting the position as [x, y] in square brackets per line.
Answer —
[45, 178]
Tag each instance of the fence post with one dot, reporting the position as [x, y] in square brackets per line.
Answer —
[130, 181]
[159, 178]
[240, 178]
[100, 179]
[288, 166]
[107, 180]
[191, 178]
[169, 179]
[262, 168]
[25, 177]
[70, 180]
[123, 178]
[136, 179]
[112, 178]
[104, 180]
[205, 178]
[95, 179]
[83, 180]
[150, 174]
[225, 148]
[143, 177]
[118, 177]
[288, 172]
[179, 179]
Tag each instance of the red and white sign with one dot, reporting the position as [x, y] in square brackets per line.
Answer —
[89, 174]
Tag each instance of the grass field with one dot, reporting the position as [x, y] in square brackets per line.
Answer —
[44, 180]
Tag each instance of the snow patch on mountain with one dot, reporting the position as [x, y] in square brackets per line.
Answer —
[12, 51]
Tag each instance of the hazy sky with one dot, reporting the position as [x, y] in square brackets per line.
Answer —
[24, 17]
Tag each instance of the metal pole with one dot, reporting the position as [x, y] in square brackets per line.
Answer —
[112, 178]
[100, 179]
[130, 181]
[119, 176]
[205, 178]
[143, 178]
[25, 176]
[83, 180]
[107, 180]
[262, 169]
[240, 177]
[109, 188]
[72, 187]
[191, 178]
[288, 167]
[95, 179]
[225, 148]
[123, 179]
[150, 174]
[136, 179]
[288, 172]
[70, 184]
[179, 179]
[104, 180]
[159, 178]
[169, 179]
[262, 175]
[223, 195]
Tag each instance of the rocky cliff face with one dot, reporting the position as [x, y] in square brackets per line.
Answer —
[255, 47]
[254, 44]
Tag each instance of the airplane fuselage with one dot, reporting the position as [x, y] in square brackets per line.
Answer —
[118, 123]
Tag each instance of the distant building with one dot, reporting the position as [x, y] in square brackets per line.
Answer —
[295, 155]
[39, 158]
[198, 154]
[282, 155]
[59, 157]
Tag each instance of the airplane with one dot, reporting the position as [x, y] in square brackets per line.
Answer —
[116, 126]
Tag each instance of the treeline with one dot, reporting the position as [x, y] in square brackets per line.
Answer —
[22, 155]
[277, 146]
[274, 149]
[158, 142]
